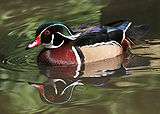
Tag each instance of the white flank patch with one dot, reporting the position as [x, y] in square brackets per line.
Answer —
[78, 61]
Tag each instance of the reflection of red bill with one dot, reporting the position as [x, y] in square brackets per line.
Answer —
[40, 87]
[36, 43]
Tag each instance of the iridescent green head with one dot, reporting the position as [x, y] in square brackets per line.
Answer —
[53, 35]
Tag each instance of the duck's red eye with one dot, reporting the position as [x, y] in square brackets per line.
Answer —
[47, 32]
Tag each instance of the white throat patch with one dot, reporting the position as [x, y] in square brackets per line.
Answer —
[50, 45]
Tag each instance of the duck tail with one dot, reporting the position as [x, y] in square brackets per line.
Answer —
[127, 42]
[131, 33]
[136, 32]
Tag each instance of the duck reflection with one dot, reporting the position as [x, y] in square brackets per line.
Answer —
[94, 69]
[56, 91]
[63, 79]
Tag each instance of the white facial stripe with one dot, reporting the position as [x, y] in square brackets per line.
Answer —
[50, 45]
[72, 37]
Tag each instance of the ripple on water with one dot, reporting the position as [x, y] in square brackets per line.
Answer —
[21, 61]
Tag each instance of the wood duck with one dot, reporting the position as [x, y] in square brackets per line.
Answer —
[64, 46]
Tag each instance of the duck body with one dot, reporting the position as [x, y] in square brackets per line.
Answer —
[83, 46]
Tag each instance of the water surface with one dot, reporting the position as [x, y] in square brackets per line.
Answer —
[129, 86]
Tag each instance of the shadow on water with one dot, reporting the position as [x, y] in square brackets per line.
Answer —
[120, 85]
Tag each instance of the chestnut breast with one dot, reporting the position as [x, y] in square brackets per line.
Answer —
[57, 56]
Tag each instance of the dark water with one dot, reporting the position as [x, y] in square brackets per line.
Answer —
[121, 85]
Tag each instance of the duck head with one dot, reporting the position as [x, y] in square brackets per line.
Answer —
[53, 35]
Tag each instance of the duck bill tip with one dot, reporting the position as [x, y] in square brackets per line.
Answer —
[39, 87]
[36, 43]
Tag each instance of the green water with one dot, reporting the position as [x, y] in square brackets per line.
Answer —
[132, 89]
